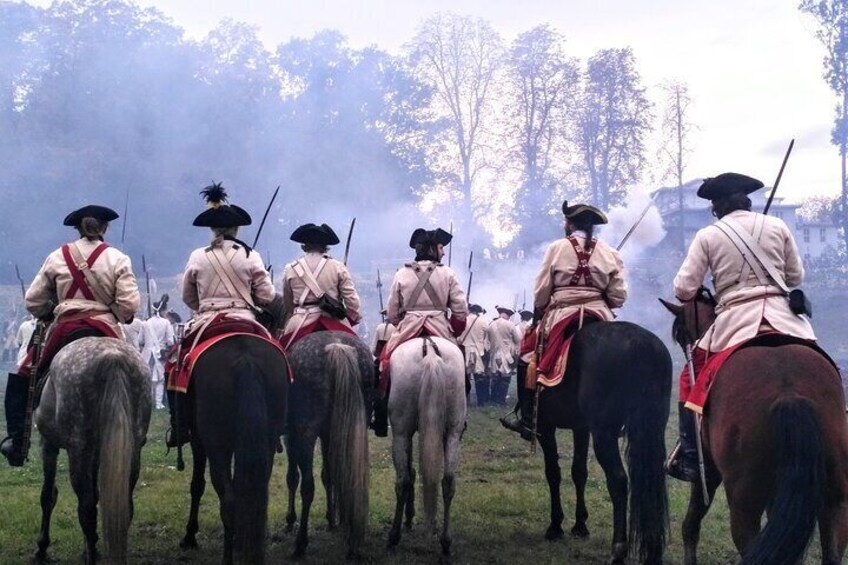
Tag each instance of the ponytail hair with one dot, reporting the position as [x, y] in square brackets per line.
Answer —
[588, 228]
[221, 233]
[92, 229]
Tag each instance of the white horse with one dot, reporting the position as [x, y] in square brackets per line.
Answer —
[428, 396]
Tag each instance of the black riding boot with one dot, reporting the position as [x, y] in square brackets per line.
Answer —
[180, 432]
[17, 391]
[521, 421]
[381, 417]
[683, 464]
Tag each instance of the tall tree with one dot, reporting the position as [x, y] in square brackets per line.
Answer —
[460, 57]
[614, 120]
[832, 19]
[676, 129]
[542, 97]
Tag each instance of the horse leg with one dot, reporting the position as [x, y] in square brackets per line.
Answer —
[84, 483]
[292, 481]
[553, 473]
[220, 470]
[449, 487]
[747, 501]
[401, 455]
[198, 486]
[328, 487]
[606, 450]
[304, 455]
[49, 495]
[695, 513]
[410, 492]
[833, 531]
[579, 476]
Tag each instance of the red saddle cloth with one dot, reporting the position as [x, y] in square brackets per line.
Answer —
[697, 398]
[551, 367]
[192, 347]
[65, 330]
[322, 324]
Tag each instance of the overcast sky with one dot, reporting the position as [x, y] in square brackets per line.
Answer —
[754, 67]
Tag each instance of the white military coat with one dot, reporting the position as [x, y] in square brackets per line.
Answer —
[503, 346]
[476, 343]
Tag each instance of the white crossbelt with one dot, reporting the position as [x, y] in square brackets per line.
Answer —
[753, 254]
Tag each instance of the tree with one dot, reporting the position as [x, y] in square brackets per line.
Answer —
[613, 121]
[676, 147]
[460, 57]
[542, 97]
[832, 19]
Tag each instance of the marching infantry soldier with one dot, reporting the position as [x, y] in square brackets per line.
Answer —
[425, 299]
[525, 323]
[503, 351]
[23, 337]
[160, 332]
[318, 290]
[750, 300]
[384, 331]
[134, 332]
[581, 278]
[475, 342]
[88, 288]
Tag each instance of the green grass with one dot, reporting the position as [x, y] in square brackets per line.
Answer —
[500, 510]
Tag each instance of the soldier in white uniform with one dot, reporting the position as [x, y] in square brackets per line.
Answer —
[425, 299]
[384, 331]
[473, 339]
[90, 289]
[160, 333]
[503, 353]
[580, 275]
[23, 337]
[748, 302]
[318, 291]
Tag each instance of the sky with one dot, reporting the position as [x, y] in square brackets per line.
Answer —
[754, 67]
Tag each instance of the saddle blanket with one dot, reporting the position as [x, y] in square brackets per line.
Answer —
[323, 323]
[554, 362]
[61, 334]
[699, 395]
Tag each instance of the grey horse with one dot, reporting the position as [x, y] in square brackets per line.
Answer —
[96, 405]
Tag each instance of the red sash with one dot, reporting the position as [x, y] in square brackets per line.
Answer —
[80, 284]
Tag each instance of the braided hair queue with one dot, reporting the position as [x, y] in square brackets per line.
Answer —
[92, 229]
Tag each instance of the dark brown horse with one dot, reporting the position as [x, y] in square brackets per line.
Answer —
[774, 431]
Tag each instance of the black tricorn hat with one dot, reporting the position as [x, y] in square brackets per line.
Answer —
[526, 314]
[429, 237]
[476, 309]
[101, 213]
[583, 213]
[726, 184]
[162, 303]
[504, 310]
[314, 234]
[219, 214]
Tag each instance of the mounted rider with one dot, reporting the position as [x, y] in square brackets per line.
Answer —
[85, 288]
[224, 283]
[503, 353]
[473, 340]
[750, 301]
[318, 291]
[581, 279]
[425, 299]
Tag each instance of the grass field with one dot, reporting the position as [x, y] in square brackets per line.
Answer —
[500, 511]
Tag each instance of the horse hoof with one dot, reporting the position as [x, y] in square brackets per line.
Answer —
[554, 533]
[580, 531]
[394, 539]
[446, 547]
[189, 543]
[41, 557]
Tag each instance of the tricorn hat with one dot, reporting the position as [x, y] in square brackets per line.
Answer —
[314, 234]
[583, 213]
[726, 184]
[429, 237]
[504, 310]
[220, 214]
[476, 309]
[526, 314]
[162, 303]
[101, 213]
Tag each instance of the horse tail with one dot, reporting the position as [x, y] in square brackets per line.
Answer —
[799, 480]
[645, 428]
[348, 450]
[432, 407]
[117, 453]
[253, 459]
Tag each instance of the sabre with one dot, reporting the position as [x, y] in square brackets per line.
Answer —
[450, 245]
[636, 225]
[347, 243]
[20, 280]
[470, 276]
[147, 284]
[380, 294]
[126, 209]
[698, 441]
[265, 216]
[779, 176]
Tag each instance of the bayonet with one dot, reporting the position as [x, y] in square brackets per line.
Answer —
[450, 246]
[470, 276]
[779, 176]
[347, 243]
[126, 210]
[380, 294]
[636, 225]
[265, 216]
[147, 285]
[20, 280]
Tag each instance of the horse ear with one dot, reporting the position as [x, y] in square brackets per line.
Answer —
[675, 309]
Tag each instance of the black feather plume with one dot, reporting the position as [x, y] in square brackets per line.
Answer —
[214, 193]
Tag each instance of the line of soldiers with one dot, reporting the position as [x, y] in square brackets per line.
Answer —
[87, 288]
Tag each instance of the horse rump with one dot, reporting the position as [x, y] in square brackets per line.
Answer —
[800, 475]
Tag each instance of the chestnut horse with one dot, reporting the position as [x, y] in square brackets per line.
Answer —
[774, 431]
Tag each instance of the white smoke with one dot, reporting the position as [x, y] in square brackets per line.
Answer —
[647, 234]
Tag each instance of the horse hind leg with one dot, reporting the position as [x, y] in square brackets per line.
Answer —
[698, 508]
[304, 455]
[579, 476]
[198, 487]
[553, 474]
[49, 496]
[332, 511]
[402, 458]
[220, 466]
[609, 457]
[409, 512]
[449, 487]
[84, 482]
[833, 530]
[292, 482]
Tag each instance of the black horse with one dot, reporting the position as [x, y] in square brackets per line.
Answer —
[330, 398]
[238, 396]
[618, 377]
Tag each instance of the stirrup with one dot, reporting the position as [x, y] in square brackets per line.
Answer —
[12, 454]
